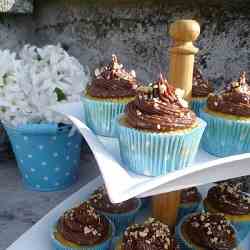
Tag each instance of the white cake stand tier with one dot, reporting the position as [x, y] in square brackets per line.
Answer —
[123, 185]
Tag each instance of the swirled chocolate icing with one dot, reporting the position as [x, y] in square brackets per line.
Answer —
[112, 81]
[229, 199]
[159, 108]
[100, 201]
[210, 231]
[233, 100]
[152, 235]
[83, 226]
[201, 87]
[190, 195]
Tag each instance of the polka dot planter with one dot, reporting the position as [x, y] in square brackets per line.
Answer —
[47, 155]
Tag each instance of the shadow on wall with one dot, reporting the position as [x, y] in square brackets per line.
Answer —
[16, 6]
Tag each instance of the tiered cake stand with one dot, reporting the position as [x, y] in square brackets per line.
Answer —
[122, 184]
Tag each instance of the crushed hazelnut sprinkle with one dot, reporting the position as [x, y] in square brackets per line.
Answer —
[210, 231]
[152, 234]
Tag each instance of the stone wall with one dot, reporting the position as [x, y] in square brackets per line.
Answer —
[137, 32]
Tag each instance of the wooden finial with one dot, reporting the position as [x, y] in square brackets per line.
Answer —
[184, 33]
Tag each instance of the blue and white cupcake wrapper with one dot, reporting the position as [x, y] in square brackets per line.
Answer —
[224, 137]
[123, 220]
[106, 245]
[156, 154]
[47, 155]
[197, 104]
[101, 115]
[189, 208]
[242, 227]
[183, 243]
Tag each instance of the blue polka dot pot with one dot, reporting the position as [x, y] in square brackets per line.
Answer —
[48, 155]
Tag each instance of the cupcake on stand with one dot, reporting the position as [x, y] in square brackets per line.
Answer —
[200, 91]
[151, 235]
[107, 95]
[227, 114]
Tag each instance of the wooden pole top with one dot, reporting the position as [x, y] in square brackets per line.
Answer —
[185, 30]
[182, 52]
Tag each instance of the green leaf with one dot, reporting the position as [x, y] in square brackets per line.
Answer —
[60, 95]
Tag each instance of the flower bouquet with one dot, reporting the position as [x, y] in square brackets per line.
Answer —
[46, 147]
[7, 69]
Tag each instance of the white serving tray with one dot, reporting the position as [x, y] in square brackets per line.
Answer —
[123, 185]
[38, 236]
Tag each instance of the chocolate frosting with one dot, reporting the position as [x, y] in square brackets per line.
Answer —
[190, 195]
[152, 235]
[159, 108]
[201, 87]
[112, 81]
[229, 199]
[83, 226]
[210, 231]
[100, 201]
[233, 100]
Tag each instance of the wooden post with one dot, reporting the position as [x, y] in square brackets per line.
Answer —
[184, 33]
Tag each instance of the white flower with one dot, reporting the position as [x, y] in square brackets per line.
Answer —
[41, 78]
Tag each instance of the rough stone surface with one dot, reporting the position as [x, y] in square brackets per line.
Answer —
[16, 6]
[137, 33]
[21, 208]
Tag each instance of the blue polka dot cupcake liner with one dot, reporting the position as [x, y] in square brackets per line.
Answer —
[184, 243]
[123, 220]
[188, 208]
[224, 137]
[105, 245]
[156, 154]
[48, 155]
[196, 104]
[100, 116]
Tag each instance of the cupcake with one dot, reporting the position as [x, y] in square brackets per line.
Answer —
[158, 133]
[152, 235]
[107, 96]
[122, 214]
[83, 228]
[228, 199]
[190, 201]
[228, 120]
[205, 231]
[200, 91]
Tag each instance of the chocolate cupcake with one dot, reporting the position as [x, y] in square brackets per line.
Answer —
[227, 198]
[83, 228]
[228, 120]
[205, 231]
[158, 133]
[122, 214]
[190, 201]
[152, 235]
[107, 95]
[200, 91]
